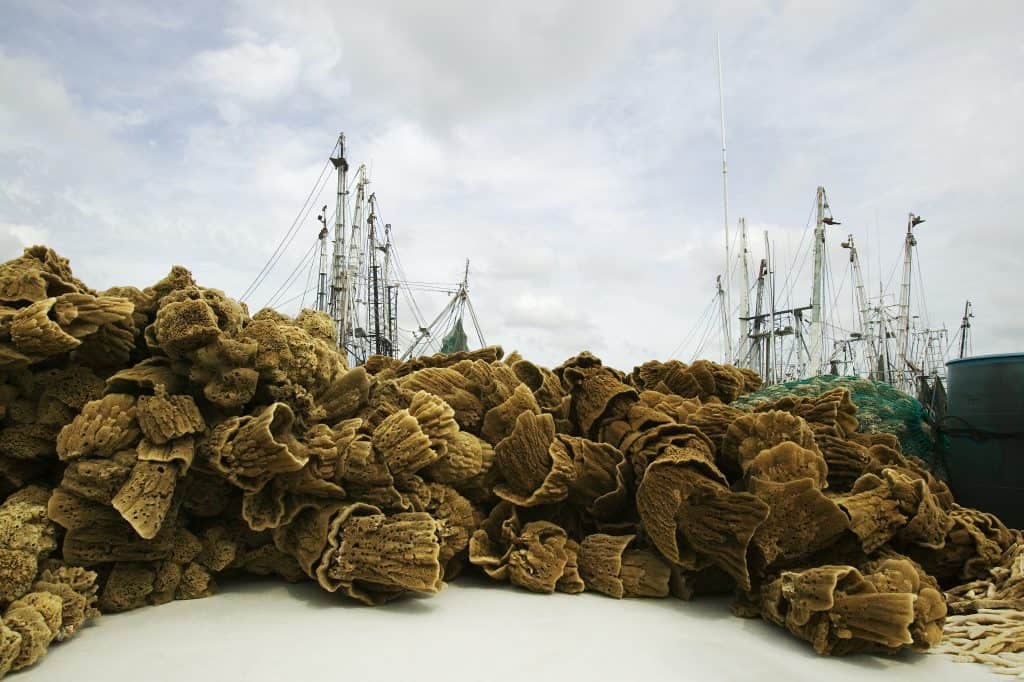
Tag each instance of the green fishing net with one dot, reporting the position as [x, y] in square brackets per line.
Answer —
[880, 408]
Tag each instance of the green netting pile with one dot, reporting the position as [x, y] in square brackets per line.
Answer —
[456, 340]
[880, 408]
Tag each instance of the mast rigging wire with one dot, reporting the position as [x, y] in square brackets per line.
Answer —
[271, 262]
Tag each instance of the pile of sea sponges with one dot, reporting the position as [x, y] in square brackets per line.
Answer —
[156, 440]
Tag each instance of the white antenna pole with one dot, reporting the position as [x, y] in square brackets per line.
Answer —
[725, 208]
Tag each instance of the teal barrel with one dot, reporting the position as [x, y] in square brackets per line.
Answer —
[985, 425]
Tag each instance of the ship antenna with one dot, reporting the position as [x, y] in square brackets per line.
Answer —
[726, 332]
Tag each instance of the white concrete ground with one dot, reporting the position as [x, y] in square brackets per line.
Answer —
[473, 631]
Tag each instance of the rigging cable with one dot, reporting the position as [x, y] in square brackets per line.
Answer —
[291, 277]
[275, 256]
[698, 325]
[309, 274]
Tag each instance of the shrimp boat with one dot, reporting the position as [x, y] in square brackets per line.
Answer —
[359, 288]
[884, 338]
[361, 283]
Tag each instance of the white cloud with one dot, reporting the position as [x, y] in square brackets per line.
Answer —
[247, 73]
[570, 150]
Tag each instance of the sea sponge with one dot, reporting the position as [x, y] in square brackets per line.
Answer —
[144, 377]
[184, 322]
[643, 447]
[601, 477]
[251, 450]
[64, 392]
[786, 462]
[317, 324]
[98, 479]
[103, 427]
[226, 371]
[38, 274]
[713, 419]
[346, 394]
[145, 498]
[403, 444]
[831, 412]
[57, 325]
[673, 406]
[608, 566]
[36, 619]
[542, 382]
[538, 555]
[690, 516]
[451, 387]
[97, 533]
[801, 519]
[874, 513]
[749, 434]
[596, 394]
[703, 379]
[373, 558]
[27, 537]
[163, 418]
[77, 588]
[840, 609]
[500, 420]
[847, 460]
[436, 419]
[535, 467]
[469, 459]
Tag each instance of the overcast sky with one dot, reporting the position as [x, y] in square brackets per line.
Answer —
[569, 149]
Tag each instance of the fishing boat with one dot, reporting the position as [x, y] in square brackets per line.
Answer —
[360, 282]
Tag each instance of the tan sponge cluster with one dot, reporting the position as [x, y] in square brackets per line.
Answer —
[155, 440]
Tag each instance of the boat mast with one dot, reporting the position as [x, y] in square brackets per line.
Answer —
[770, 354]
[903, 324]
[353, 266]
[722, 311]
[391, 293]
[757, 337]
[323, 277]
[726, 302]
[863, 307]
[965, 328]
[742, 351]
[338, 257]
[824, 217]
[373, 302]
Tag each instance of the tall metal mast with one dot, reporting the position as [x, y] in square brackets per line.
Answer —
[391, 290]
[723, 312]
[373, 285]
[756, 342]
[352, 268]
[726, 301]
[864, 309]
[824, 217]
[770, 354]
[323, 282]
[965, 328]
[742, 352]
[903, 324]
[338, 257]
